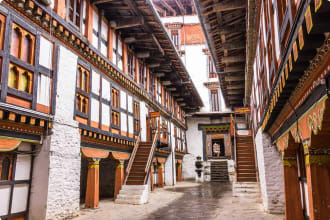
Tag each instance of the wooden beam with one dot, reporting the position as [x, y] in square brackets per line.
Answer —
[229, 29]
[167, 6]
[127, 22]
[233, 59]
[235, 92]
[229, 5]
[233, 45]
[241, 86]
[144, 54]
[233, 69]
[182, 9]
[234, 78]
[96, 2]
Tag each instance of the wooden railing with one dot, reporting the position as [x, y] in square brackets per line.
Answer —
[152, 150]
[131, 159]
[235, 148]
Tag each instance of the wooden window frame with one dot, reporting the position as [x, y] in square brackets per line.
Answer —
[215, 105]
[130, 63]
[74, 11]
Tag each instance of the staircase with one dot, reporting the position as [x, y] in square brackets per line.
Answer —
[245, 161]
[219, 171]
[135, 189]
[138, 174]
[248, 191]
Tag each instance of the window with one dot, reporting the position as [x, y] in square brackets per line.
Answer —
[165, 98]
[82, 101]
[159, 91]
[211, 69]
[130, 63]
[22, 44]
[83, 79]
[175, 38]
[115, 98]
[5, 168]
[151, 84]
[20, 79]
[74, 9]
[117, 51]
[115, 103]
[214, 100]
[136, 117]
[142, 72]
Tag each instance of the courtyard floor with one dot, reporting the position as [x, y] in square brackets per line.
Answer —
[186, 200]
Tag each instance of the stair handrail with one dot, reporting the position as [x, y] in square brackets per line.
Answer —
[131, 159]
[235, 148]
[151, 153]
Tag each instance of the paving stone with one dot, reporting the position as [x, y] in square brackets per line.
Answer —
[187, 200]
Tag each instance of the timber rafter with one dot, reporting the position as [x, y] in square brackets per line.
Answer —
[224, 25]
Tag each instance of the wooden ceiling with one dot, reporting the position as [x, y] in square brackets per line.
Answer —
[139, 26]
[224, 24]
[174, 7]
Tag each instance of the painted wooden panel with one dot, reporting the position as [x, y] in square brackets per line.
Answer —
[95, 110]
[130, 124]
[95, 82]
[44, 90]
[46, 53]
[106, 89]
[129, 104]
[23, 167]
[123, 100]
[123, 122]
[20, 196]
[4, 201]
[105, 114]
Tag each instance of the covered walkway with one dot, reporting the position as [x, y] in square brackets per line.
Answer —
[187, 200]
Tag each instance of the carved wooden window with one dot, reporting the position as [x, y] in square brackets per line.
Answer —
[142, 73]
[74, 9]
[214, 100]
[130, 63]
[20, 79]
[5, 169]
[115, 97]
[2, 30]
[115, 118]
[82, 100]
[211, 69]
[117, 51]
[83, 79]
[175, 38]
[136, 112]
[22, 44]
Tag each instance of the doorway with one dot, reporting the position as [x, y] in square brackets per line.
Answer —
[218, 147]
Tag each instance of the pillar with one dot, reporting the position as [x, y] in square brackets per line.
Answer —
[119, 177]
[92, 188]
[160, 175]
[293, 207]
[60, 8]
[179, 172]
[318, 181]
[151, 176]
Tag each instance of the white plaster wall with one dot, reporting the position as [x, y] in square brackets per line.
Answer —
[39, 186]
[193, 19]
[143, 115]
[64, 158]
[270, 174]
[188, 167]
[170, 178]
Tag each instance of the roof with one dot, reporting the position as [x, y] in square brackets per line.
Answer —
[224, 25]
[141, 29]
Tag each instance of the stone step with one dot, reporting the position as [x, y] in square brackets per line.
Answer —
[133, 194]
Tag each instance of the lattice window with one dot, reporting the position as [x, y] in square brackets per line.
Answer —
[115, 98]
[74, 9]
[20, 79]
[115, 118]
[130, 63]
[82, 101]
[22, 44]
[214, 100]
[175, 38]
[211, 69]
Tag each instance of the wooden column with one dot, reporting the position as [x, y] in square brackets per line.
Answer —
[160, 175]
[152, 176]
[89, 21]
[179, 170]
[293, 207]
[119, 177]
[92, 188]
[318, 181]
[125, 70]
[60, 8]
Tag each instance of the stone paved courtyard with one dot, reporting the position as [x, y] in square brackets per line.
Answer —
[187, 200]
